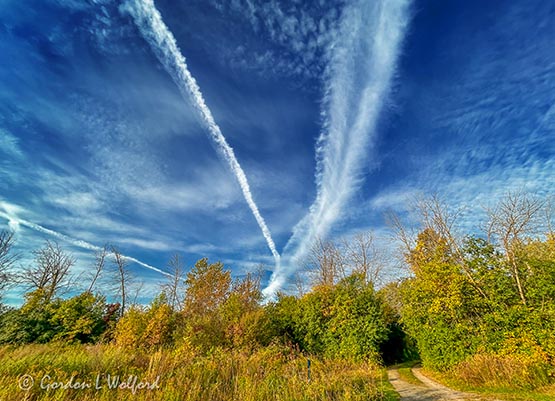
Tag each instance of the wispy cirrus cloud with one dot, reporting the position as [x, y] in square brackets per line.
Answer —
[286, 39]
[363, 62]
[9, 145]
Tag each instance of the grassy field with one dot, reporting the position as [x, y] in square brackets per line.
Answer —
[105, 372]
[502, 379]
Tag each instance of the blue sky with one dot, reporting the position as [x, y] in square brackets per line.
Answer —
[336, 112]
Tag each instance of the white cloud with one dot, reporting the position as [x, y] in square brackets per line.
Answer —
[9, 144]
[147, 243]
[363, 61]
[298, 33]
[211, 188]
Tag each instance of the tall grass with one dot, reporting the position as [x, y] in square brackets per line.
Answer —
[493, 371]
[272, 373]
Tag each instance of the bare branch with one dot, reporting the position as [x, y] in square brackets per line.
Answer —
[7, 258]
[510, 221]
[326, 263]
[175, 286]
[364, 257]
[401, 233]
[138, 290]
[123, 276]
[300, 284]
[51, 270]
[549, 212]
[100, 262]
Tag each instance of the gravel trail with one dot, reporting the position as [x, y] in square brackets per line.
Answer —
[429, 390]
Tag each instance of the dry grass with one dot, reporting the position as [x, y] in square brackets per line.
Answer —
[502, 372]
[508, 378]
[273, 373]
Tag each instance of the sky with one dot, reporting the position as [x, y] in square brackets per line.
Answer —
[243, 130]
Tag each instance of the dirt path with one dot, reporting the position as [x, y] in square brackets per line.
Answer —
[428, 391]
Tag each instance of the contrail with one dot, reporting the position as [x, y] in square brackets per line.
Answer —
[362, 64]
[16, 221]
[156, 33]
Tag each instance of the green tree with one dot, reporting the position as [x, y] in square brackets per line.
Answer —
[357, 326]
[283, 316]
[78, 319]
[345, 320]
[438, 302]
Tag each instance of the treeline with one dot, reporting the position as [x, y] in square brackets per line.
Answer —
[342, 316]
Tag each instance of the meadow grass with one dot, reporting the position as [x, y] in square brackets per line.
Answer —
[508, 378]
[271, 373]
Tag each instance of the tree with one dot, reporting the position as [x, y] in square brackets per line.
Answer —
[208, 287]
[100, 262]
[357, 326]
[515, 216]
[364, 257]
[123, 277]
[283, 316]
[160, 324]
[345, 320]
[78, 319]
[537, 257]
[51, 270]
[7, 258]
[326, 263]
[130, 328]
[174, 288]
[434, 308]
[245, 322]
[148, 328]
[35, 318]
[436, 217]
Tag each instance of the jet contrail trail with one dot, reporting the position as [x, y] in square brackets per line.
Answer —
[156, 33]
[362, 63]
[16, 221]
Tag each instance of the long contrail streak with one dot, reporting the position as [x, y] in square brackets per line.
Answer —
[76, 242]
[362, 64]
[156, 33]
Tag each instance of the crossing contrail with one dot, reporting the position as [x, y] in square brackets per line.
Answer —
[15, 221]
[156, 33]
[362, 64]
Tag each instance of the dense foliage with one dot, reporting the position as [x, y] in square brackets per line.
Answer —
[345, 319]
[485, 301]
